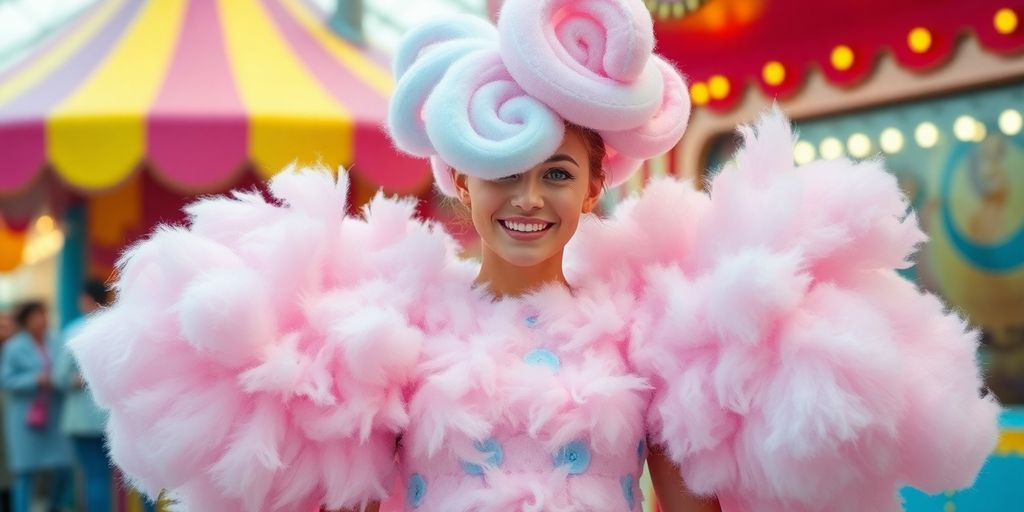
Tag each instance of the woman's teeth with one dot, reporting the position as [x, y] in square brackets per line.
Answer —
[523, 227]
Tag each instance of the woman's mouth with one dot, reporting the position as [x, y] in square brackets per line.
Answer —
[525, 229]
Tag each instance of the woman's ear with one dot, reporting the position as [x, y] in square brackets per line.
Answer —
[593, 195]
[461, 187]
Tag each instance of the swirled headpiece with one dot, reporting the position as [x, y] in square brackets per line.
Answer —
[492, 102]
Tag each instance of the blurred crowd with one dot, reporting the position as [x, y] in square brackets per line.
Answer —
[53, 453]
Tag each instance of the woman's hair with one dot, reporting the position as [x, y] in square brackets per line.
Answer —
[26, 310]
[97, 291]
[595, 150]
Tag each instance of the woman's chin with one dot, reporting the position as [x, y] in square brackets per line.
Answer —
[524, 257]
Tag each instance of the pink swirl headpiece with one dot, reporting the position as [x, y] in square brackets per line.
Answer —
[494, 102]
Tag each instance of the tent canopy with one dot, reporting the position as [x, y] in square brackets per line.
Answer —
[195, 91]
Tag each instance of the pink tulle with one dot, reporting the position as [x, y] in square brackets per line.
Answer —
[794, 369]
[255, 361]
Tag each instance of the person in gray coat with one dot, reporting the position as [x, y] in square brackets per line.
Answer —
[32, 433]
[7, 330]
[83, 421]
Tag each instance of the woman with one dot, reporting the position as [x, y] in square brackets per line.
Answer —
[82, 420]
[32, 414]
[756, 344]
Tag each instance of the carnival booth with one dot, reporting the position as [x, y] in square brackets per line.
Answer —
[111, 125]
[934, 87]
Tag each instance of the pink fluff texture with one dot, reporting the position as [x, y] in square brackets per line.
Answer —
[267, 356]
[255, 359]
[793, 369]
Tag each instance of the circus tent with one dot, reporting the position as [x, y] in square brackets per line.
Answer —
[195, 93]
[138, 105]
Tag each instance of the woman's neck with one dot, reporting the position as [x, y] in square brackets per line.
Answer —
[504, 279]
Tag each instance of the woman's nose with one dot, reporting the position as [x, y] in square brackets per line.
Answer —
[528, 195]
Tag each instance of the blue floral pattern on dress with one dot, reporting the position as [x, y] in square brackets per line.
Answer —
[495, 456]
[575, 455]
[627, 490]
[532, 321]
[415, 490]
[543, 357]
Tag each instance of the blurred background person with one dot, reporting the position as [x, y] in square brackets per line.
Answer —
[7, 330]
[82, 420]
[32, 433]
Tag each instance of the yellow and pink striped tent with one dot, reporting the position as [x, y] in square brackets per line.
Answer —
[195, 91]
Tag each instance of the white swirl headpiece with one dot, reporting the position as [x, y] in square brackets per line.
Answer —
[494, 102]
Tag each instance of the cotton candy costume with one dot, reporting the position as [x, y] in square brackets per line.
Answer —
[276, 355]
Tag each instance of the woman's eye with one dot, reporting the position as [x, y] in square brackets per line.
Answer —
[559, 175]
[509, 178]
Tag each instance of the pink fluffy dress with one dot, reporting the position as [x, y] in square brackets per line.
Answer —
[276, 355]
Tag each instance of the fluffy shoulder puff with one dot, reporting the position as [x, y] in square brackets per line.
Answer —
[254, 359]
[794, 370]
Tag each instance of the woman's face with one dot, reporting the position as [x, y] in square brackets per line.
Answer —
[36, 322]
[7, 328]
[528, 218]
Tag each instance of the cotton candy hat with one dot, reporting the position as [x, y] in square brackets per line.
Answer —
[493, 101]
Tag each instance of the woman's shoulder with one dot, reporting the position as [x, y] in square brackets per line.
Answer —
[655, 227]
[18, 343]
[20, 352]
[302, 237]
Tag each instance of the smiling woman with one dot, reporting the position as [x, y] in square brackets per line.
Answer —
[753, 345]
[525, 220]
